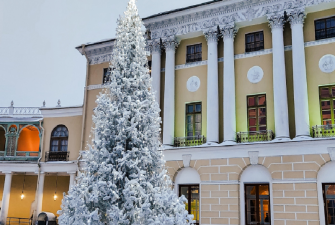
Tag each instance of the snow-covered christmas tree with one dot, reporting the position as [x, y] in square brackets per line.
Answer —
[124, 180]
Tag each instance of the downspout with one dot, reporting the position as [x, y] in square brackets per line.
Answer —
[85, 99]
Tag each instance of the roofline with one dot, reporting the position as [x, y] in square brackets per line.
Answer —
[95, 43]
[180, 9]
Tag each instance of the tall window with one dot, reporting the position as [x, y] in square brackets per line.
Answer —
[324, 28]
[59, 139]
[254, 41]
[149, 66]
[257, 112]
[193, 119]
[257, 204]
[329, 202]
[327, 103]
[106, 77]
[194, 53]
[191, 193]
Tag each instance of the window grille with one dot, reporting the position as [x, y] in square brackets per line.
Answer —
[254, 41]
[194, 53]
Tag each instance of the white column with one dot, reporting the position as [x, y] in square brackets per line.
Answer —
[156, 68]
[212, 88]
[229, 106]
[169, 91]
[302, 128]
[279, 78]
[39, 197]
[72, 179]
[6, 197]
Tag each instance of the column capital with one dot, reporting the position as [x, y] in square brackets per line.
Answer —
[211, 36]
[170, 43]
[296, 16]
[154, 46]
[276, 21]
[228, 31]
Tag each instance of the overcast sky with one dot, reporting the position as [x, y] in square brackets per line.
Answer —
[38, 59]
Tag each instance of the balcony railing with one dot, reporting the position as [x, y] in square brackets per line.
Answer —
[57, 156]
[189, 141]
[19, 156]
[18, 221]
[323, 131]
[254, 136]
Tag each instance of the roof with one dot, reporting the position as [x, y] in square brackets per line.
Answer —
[97, 42]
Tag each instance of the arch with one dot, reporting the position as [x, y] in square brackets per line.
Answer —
[251, 175]
[29, 125]
[186, 176]
[29, 139]
[2, 138]
[59, 139]
[325, 175]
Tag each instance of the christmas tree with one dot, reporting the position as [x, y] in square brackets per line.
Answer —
[124, 180]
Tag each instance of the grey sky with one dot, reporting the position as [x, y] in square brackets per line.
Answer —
[38, 59]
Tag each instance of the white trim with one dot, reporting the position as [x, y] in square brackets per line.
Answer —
[61, 112]
[96, 86]
[255, 174]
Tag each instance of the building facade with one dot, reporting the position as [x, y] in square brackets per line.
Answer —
[247, 97]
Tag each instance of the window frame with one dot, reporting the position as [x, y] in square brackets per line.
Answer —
[257, 199]
[247, 50]
[324, 200]
[257, 107]
[194, 113]
[332, 105]
[200, 43]
[59, 140]
[325, 29]
[189, 197]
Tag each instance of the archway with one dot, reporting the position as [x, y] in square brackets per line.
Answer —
[29, 140]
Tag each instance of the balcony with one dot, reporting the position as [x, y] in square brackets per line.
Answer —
[323, 131]
[254, 136]
[189, 141]
[56, 156]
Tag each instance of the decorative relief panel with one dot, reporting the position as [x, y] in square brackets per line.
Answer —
[327, 63]
[193, 84]
[255, 74]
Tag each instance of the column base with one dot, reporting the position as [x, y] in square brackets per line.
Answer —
[281, 139]
[302, 138]
[228, 143]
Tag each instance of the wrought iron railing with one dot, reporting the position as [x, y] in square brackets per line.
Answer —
[189, 141]
[19, 221]
[323, 131]
[19, 155]
[254, 136]
[57, 156]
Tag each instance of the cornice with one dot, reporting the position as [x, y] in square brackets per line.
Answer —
[220, 14]
[61, 112]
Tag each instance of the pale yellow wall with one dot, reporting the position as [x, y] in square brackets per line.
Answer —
[287, 34]
[17, 207]
[73, 124]
[183, 96]
[220, 71]
[315, 78]
[244, 88]
[239, 46]
[2, 183]
[309, 29]
[96, 72]
[182, 49]
[48, 203]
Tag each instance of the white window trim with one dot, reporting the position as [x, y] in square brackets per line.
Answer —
[255, 174]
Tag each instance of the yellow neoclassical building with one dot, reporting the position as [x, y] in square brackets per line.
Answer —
[247, 96]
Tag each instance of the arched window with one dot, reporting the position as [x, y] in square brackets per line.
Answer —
[2, 138]
[59, 139]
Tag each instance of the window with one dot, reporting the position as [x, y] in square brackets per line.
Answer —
[149, 67]
[106, 78]
[327, 103]
[191, 193]
[254, 41]
[193, 119]
[194, 53]
[257, 112]
[324, 28]
[59, 139]
[257, 204]
[328, 191]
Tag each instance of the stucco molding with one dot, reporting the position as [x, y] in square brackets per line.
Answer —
[276, 21]
[170, 43]
[211, 36]
[154, 46]
[98, 59]
[221, 13]
[61, 112]
[297, 16]
[95, 86]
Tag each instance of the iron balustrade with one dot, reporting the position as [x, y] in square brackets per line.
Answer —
[189, 141]
[323, 131]
[57, 156]
[254, 136]
[19, 221]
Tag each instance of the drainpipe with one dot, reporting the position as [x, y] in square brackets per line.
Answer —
[85, 99]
